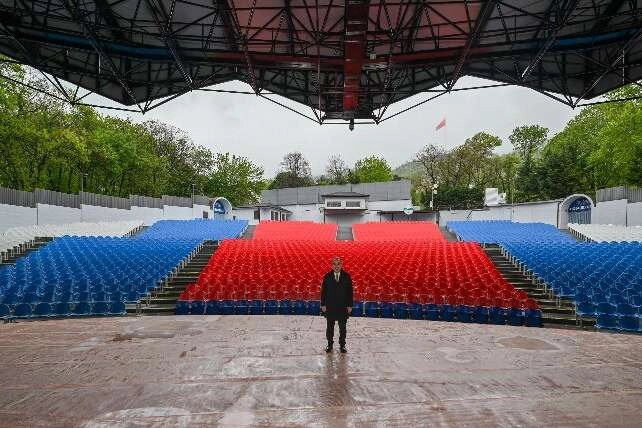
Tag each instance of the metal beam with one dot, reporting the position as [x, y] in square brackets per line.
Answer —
[563, 18]
[480, 23]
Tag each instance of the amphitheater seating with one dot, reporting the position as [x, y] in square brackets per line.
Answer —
[410, 231]
[21, 236]
[286, 275]
[295, 230]
[597, 276]
[74, 276]
[496, 231]
[200, 230]
[607, 232]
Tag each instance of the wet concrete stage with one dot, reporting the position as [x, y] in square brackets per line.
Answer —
[271, 370]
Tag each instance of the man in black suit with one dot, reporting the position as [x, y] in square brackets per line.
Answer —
[336, 302]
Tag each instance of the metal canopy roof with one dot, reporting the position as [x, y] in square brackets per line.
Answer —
[344, 60]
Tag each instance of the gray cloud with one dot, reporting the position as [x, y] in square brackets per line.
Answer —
[262, 131]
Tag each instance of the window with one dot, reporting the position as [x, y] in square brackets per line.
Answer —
[333, 204]
[283, 217]
[353, 204]
[257, 214]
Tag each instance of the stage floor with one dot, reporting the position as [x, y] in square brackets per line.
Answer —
[272, 371]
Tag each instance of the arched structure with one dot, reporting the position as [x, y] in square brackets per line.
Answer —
[575, 209]
[221, 207]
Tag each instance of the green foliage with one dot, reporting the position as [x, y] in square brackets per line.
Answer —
[372, 169]
[50, 145]
[295, 172]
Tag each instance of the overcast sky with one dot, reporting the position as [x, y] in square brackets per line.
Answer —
[251, 126]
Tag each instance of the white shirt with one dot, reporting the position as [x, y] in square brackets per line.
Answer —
[336, 276]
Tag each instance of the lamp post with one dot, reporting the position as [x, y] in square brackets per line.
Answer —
[433, 192]
[82, 181]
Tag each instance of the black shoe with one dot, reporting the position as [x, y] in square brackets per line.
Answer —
[343, 350]
[328, 349]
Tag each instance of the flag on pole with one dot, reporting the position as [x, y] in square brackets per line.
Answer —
[441, 124]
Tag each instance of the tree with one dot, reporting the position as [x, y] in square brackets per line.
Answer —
[372, 169]
[295, 172]
[236, 178]
[528, 141]
[336, 170]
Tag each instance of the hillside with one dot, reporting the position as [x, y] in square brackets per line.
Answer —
[408, 169]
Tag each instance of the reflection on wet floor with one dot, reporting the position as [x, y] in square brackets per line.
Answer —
[262, 370]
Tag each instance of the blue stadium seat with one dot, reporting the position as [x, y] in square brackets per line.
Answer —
[23, 310]
[62, 309]
[116, 308]
[481, 314]
[447, 312]
[314, 307]
[533, 317]
[256, 307]
[300, 307]
[606, 320]
[5, 311]
[515, 317]
[241, 307]
[371, 309]
[357, 309]
[43, 309]
[416, 311]
[285, 307]
[99, 308]
[197, 307]
[182, 307]
[271, 307]
[497, 316]
[212, 307]
[400, 310]
[432, 311]
[386, 310]
[465, 313]
[629, 323]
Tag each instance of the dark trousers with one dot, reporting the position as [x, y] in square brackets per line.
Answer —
[329, 331]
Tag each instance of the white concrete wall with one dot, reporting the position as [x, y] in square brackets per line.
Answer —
[536, 213]
[308, 212]
[634, 214]
[492, 213]
[52, 214]
[245, 214]
[611, 212]
[92, 213]
[12, 216]
[397, 205]
[177, 213]
[149, 216]
[197, 211]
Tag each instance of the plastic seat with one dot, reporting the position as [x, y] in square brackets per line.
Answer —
[256, 307]
[300, 307]
[117, 308]
[99, 308]
[30, 298]
[242, 307]
[5, 311]
[432, 311]
[465, 313]
[606, 320]
[400, 310]
[182, 307]
[271, 307]
[314, 307]
[481, 314]
[197, 307]
[358, 309]
[515, 317]
[10, 299]
[81, 308]
[533, 317]
[213, 307]
[497, 316]
[628, 323]
[228, 307]
[43, 309]
[62, 309]
[387, 310]
[447, 313]
[416, 311]
[371, 309]
[285, 307]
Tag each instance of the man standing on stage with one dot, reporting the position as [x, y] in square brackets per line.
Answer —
[336, 302]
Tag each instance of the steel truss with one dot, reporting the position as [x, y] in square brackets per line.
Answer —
[344, 61]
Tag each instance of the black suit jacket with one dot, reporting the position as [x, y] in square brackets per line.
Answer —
[337, 296]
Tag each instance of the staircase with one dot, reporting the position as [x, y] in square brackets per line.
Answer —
[344, 233]
[162, 301]
[450, 237]
[32, 246]
[249, 233]
[556, 312]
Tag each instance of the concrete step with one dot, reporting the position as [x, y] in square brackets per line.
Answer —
[160, 300]
[565, 319]
[161, 309]
[556, 310]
